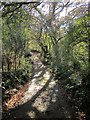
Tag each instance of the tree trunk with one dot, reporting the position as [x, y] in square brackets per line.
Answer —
[15, 62]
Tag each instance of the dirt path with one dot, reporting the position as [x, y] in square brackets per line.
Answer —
[44, 97]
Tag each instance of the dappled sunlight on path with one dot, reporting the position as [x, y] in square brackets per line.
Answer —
[35, 85]
[43, 98]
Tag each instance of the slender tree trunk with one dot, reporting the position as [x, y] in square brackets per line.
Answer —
[2, 66]
[8, 64]
[15, 61]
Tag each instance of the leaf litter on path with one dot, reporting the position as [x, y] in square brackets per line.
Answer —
[49, 100]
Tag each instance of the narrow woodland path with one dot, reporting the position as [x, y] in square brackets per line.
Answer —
[43, 97]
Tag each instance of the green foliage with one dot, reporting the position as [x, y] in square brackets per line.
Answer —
[26, 66]
[65, 47]
[71, 55]
[80, 97]
[22, 75]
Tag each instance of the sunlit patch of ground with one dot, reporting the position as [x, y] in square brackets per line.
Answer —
[34, 86]
[31, 114]
[44, 97]
[42, 102]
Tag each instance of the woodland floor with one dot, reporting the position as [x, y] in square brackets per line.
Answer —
[41, 97]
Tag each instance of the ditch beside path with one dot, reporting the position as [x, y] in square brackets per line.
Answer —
[42, 97]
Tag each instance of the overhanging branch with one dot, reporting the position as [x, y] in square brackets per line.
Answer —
[17, 6]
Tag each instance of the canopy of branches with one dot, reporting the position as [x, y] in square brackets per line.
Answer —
[59, 31]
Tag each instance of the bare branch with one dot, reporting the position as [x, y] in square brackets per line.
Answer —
[17, 6]
[18, 3]
[4, 14]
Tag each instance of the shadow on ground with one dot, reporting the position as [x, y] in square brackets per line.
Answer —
[55, 101]
[48, 102]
